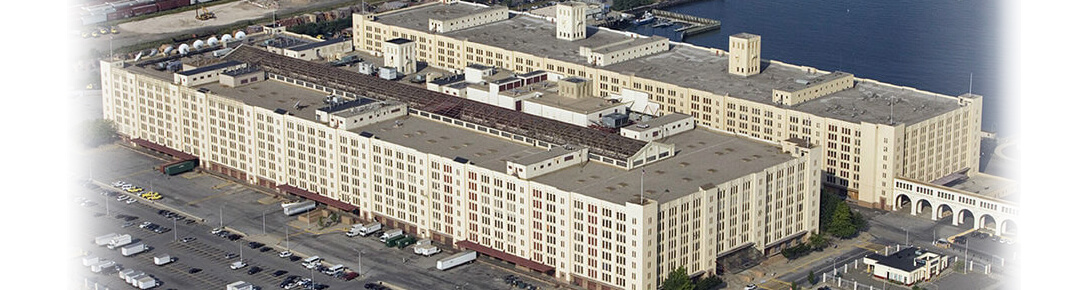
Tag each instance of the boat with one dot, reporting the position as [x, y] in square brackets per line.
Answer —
[663, 23]
[645, 18]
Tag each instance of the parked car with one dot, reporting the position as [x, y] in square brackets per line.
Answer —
[188, 239]
[255, 245]
[230, 256]
[194, 270]
[253, 270]
[265, 249]
[285, 254]
[278, 273]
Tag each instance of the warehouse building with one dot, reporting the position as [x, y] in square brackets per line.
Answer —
[870, 132]
[588, 207]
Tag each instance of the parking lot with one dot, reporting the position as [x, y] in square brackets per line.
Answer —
[257, 217]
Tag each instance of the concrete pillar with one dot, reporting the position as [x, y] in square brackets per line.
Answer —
[913, 207]
[935, 212]
[978, 221]
[956, 218]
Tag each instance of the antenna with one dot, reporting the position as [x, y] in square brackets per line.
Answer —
[971, 83]
[891, 118]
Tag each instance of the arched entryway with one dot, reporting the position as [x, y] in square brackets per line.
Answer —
[943, 211]
[1008, 228]
[987, 222]
[924, 206]
[902, 202]
[965, 219]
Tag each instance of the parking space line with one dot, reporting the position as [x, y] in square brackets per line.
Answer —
[135, 173]
[207, 198]
[779, 284]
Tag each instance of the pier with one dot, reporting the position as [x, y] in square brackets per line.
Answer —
[695, 24]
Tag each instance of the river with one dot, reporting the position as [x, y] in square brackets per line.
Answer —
[930, 45]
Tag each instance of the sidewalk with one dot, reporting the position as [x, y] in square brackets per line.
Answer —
[766, 275]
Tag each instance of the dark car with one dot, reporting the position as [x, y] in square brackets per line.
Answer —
[189, 221]
[234, 237]
[295, 258]
[230, 255]
[350, 276]
[318, 286]
[194, 270]
[255, 245]
[265, 249]
[253, 270]
[278, 273]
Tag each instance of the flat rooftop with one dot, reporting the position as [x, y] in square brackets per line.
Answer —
[704, 160]
[544, 155]
[686, 66]
[313, 45]
[450, 141]
[518, 33]
[990, 186]
[902, 260]
[663, 120]
[583, 105]
[696, 68]
[272, 94]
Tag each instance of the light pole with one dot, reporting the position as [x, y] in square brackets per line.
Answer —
[907, 236]
[263, 223]
[175, 229]
[221, 216]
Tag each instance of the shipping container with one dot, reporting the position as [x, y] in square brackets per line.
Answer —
[179, 167]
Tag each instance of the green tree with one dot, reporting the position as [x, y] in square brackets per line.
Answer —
[812, 278]
[678, 280]
[828, 202]
[842, 225]
[709, 283]
[98, 132]
[794, 286]
[818, 241]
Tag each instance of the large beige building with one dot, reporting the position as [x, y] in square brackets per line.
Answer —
[569, 210]
[870, 132]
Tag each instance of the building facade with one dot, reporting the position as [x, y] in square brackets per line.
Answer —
[870, 132]
[445, 179]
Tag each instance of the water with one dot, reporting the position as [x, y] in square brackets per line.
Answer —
[929, 45]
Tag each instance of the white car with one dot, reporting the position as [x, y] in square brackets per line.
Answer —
[285, 254]
[238, 265]
[130, 201]
[120, 183]
[750, 287]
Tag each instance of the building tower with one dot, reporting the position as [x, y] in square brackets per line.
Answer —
[570, 21]
[745, 58]
[399, 53]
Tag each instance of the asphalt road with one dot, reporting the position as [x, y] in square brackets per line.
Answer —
[206, 197]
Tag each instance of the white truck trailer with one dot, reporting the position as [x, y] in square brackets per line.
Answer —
[133, 249]
[426, 250]
[102, 265]
[298, 207]
[146, 282]
[366, 229]
[163, 259]
[105, 239]
[240, 285]
[456, 259]
[90, 260]
[119, 241]
[390, 234]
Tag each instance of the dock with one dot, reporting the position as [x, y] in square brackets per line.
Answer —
[695, 25]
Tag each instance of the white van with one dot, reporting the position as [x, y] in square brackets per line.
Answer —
[311, 262]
